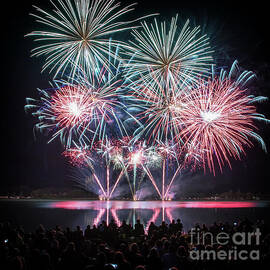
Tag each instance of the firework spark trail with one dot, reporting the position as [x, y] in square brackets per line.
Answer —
[116, 152]
[79, 32]
[163, 179]
[191, 155]
[81, 158]
[168, 153]
[116, 183]
[218, 119]
[136, 158]
[142, 157]
[178, 170]
[152, 180]
[99, 184]
[134, 180]
[108, 182]
[112, 152]
[159, 53]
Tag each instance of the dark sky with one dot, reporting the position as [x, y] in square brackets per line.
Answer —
[237, 32]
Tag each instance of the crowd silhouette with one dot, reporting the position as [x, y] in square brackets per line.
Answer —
[108, 247]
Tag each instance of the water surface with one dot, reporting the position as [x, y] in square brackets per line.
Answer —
[30, 213]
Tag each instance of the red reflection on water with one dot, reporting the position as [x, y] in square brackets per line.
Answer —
[103, 210]
[97, 205]
[168, 213]
[153, 218]
[218, 204]
[99, 216]
[115, 217]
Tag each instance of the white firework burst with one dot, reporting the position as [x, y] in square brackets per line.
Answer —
[160, 53]
[79, 32]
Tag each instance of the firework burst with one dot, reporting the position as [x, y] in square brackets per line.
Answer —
[80, 109]
[160, 53]
[79, 32]
[218, 119]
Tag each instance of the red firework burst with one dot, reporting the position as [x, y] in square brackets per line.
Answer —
[218, 122]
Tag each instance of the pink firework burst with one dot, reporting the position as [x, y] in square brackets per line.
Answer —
[76, 105]
[72, 105]
[218, 122]
[81, 108]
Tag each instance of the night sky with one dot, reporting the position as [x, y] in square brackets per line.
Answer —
[237, 32]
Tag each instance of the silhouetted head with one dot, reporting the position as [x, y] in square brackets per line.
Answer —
[153, 253]
[140, 267]
[134, 248]
[119, 257]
